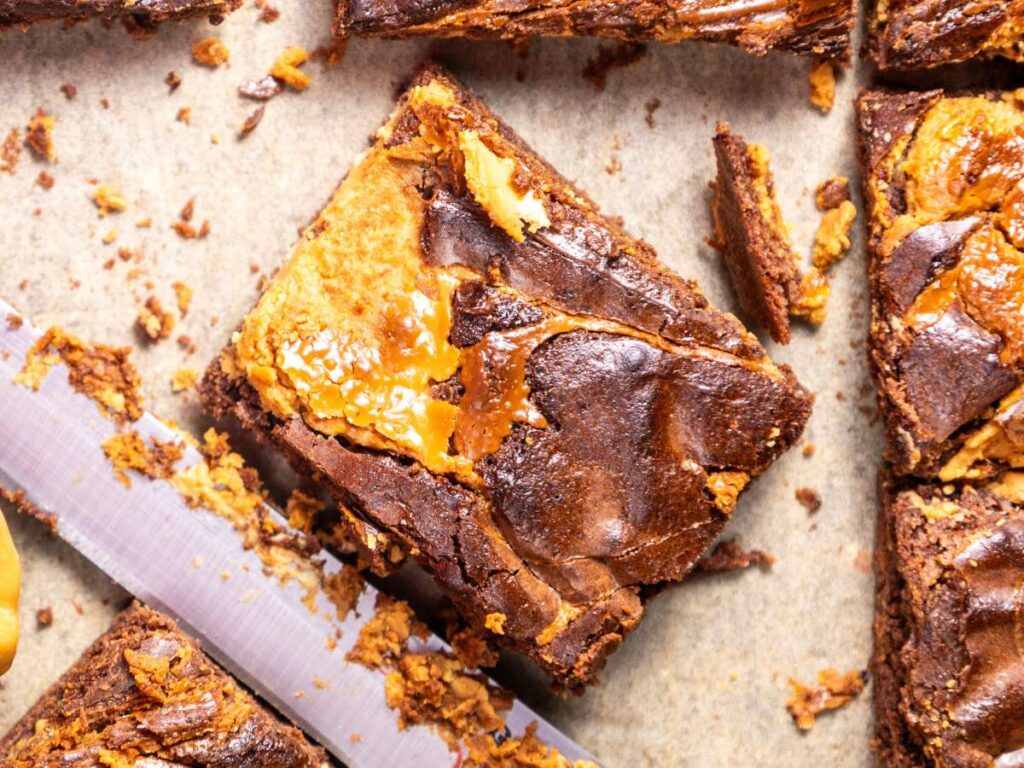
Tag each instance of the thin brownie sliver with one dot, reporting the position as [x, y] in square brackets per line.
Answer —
[909, 34]
[136, 15]
[497, 379]
[947, 671]
[145, 694]
[820, 29]
[944, 185]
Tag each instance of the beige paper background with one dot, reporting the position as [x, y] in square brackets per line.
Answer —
[703, 680]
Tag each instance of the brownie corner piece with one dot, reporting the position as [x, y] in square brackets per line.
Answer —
[821, 30]
[145, 691]
[946, 273]
[905, 35]
[468, 356]
[138, 17]
[946, 665]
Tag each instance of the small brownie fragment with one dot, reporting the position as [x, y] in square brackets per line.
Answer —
[945, 188]
[753, 239]
[946, 667]
[821, 30]
[909, 34]
[145, 694]
[475, 362]
[137, 16]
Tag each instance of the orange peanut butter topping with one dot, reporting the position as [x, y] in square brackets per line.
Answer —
[967, 159]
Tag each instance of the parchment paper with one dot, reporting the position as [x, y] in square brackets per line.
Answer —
[703, 680]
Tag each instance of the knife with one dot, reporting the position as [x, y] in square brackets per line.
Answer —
[149, 541]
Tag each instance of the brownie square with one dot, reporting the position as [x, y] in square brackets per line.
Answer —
[944, 186]
[494, 377]
[144, 693]
[909, 34]
[821, 30]
[947, 667]
[136, 15]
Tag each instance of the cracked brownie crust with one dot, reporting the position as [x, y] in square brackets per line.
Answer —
[144, 693]
[819, 28]
[137, 14]
[945, 190]
[948, 675]
[909, 34]
[474, 361]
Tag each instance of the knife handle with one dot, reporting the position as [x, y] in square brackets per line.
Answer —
[10, 585]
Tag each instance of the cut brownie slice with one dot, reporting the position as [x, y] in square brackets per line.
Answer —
[754, 240]
[471, 359]
[820, 29]
[947, 668]
[145, 694]
[944, 183]
[910, 34]
[137, 15]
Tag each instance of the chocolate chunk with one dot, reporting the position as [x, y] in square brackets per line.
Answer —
[919, 259]
[952, 373]
[478, 309]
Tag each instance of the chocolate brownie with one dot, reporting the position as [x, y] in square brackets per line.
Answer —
[145, 694]
[754, 240]
[947, 668]
[820, 29]
[910, 34]
[944, 186]
[137, 15]
[470, 358]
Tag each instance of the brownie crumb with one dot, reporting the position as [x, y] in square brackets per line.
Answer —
[730, 556]
[173, 81]
[251, 122]
[330, 55]
[39, 135]
[822, 82]
[44, 616]
[832, 193]
[10, 152]
[188, 210]
[183, 379]
[183, 295]
[14, 321]
[156, 323]
[129, 451]
[210, 52]
[286, 68]
[268, 13]
[809, 498]
[808, 450]
[45, 180]
[69, 91]
[263, 89]
[650, 108]
[609, 58]
[186, 343]
[26, 507]
[104, 374]
[184, 115]
[834, 690]
[108, 200]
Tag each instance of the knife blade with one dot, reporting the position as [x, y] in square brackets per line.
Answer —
[148, 540]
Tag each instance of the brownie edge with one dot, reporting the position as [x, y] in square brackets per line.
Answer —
[140, 16]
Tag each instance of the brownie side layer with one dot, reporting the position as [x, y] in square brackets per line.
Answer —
[653, 411]
[909, 34]
[938, 379]
[948, 672]
[141, 15]
[764, 273]
[819, 29]
[145, 689]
